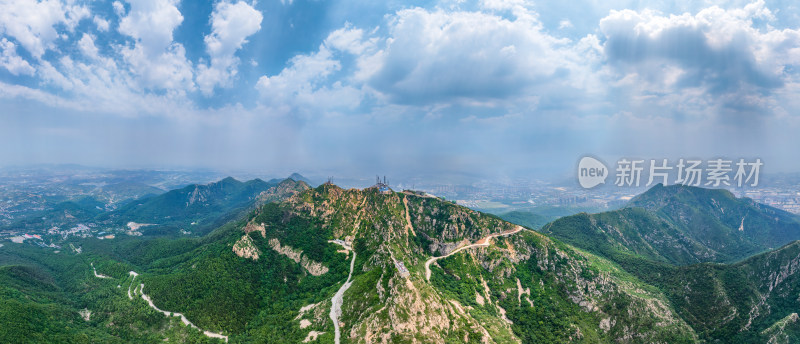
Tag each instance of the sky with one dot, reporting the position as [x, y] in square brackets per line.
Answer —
[494, 88]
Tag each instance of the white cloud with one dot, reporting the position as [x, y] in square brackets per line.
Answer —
[438, 58]
[308, 83]
[305, 74]
[716, 59]
[101, 23]
[11, 61]
[348, 39]
[231, 24]
[32, 23]
[151, 23]
[51, 75]
[159, 62]
[99, 85]
[134, 79]
[87, 46]
[169, 71]
[443, 56]
[119, 8]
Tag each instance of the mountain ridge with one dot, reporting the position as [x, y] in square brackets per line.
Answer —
[734, 301]
[404, 267]
[683, 225]
[392, 235]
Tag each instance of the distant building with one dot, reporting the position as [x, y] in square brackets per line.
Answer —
[401, 268]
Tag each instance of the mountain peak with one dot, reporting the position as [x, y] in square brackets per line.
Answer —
[299, 178]
[402, 242]
[660, 195]
[226, 181]
[681, 225]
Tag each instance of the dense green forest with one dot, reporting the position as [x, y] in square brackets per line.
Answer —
[269, 273]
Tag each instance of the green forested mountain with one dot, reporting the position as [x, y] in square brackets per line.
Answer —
[271, 277]
[733, 227]
[399, 267]
[51, 296]
[192, 207]
[536, 217]
[300, 178]
[681, 225]
[670, 236]
[630, 231]
[525, 218]
[746, 302]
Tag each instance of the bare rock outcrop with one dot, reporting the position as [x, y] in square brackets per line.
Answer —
[314, 268]
[245, 248]
[252, 227]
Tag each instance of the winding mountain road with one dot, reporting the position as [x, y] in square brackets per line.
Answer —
[486, 241]
[95, 272]
[152, 305]
[183, 317]
[338, 298]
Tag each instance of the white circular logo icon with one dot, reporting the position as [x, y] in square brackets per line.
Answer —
[591, 172]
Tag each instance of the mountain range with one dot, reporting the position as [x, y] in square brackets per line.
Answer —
[201, 205]
[299, 264]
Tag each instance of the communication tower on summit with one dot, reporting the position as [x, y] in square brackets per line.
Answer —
[382, 186]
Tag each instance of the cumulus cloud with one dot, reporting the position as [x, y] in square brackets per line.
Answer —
[307, 81]
[437, 56]
[716, 58]
[95, 83]
[490, 59]
[159, 62]
[87, 46]
[11, 61]
[119, 8]
[303, 75]
[431, 57]
[101, 23]
[486, 84]
[231, 24]
[304, 83]
[349, 39]
[32, 23]
[145, 75]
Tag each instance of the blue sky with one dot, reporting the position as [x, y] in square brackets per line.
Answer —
[487, 88]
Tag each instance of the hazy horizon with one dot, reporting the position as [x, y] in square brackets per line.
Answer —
[352, 88]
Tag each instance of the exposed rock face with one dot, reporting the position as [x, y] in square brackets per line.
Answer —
[284, 190]
[87, 314]
[413, 309]
[314, 268]
[245, 248]
[252, 227]
[777, 333]
[197, 195]
[519, 288]
[406, 307]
